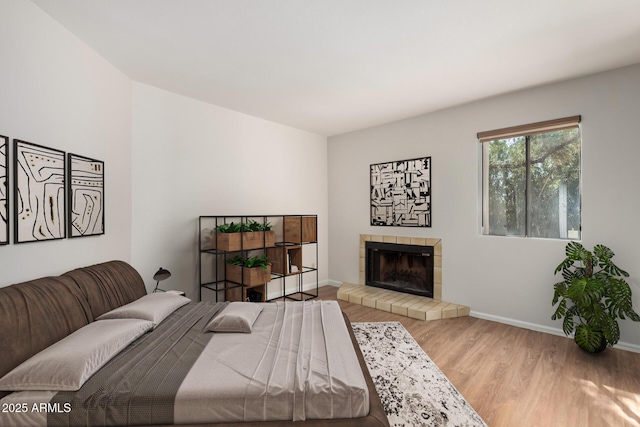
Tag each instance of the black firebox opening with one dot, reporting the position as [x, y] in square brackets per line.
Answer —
[404, 268]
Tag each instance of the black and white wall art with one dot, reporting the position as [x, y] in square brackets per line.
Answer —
[86, 196]
[4, 191]
[39, 192]
[401, 193]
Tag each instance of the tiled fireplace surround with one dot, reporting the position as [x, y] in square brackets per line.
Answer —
[417, 307]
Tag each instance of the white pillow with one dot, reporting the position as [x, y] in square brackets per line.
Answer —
[152, 307]
[67, 364]
[236, 317]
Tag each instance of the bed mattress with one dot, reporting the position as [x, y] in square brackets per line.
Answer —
[298, 363]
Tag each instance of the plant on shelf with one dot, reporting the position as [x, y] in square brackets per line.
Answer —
[251, 262]
[250, 271]
[592, 297]
[228, 228]
[253, 225]
[250, 226]
[243, 235]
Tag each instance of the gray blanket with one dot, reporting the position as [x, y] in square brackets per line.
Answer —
[138, 386]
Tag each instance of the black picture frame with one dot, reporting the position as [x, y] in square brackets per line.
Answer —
[4, 190]
[39, 192]
[401, 193]
[85, 211]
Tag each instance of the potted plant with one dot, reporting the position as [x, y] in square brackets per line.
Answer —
[243, 236]
[592, 297]
[249, 271]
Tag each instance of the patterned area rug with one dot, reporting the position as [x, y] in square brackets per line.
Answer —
[413, 390]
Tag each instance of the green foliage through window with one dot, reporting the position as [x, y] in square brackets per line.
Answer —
[532, 185]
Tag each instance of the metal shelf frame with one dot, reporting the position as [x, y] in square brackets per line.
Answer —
[219, 285]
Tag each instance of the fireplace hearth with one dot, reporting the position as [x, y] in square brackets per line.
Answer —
[400, 267]
[414, 306]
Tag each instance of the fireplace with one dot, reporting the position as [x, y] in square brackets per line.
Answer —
[400, 267]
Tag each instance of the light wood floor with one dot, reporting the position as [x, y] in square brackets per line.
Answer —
[516, 377]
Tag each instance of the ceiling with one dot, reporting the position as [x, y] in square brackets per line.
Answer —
[335, 66]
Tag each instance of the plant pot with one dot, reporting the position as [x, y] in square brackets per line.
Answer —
[603, 346]
[247, 276]
[243, 241]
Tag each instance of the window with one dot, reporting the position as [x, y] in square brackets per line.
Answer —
[531, 180]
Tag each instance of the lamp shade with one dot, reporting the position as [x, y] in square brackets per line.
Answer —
[161, 274]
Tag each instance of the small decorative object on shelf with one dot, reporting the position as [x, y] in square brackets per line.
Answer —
[160, 275]
[254, 296]
[231, 245]
[285, 259]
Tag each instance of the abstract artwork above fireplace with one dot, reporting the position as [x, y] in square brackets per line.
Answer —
[401, 193]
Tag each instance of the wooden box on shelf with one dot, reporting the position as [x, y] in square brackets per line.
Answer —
[300, 229]
[247, 276]
[242, 241]
[282, 258]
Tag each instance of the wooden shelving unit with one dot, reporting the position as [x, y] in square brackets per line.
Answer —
[291, 248]
[300, 229]
[286, 259]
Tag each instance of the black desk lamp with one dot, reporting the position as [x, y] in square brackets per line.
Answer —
[161, 274]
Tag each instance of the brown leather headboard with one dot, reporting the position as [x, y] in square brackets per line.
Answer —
[38, 313]
[108, 285]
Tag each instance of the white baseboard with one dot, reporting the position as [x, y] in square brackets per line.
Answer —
[331, 283]
[541, 328]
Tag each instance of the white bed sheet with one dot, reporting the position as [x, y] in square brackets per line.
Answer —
[298, 363]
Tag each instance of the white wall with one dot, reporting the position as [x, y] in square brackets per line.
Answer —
[499, 277]
[192, 158]
[56, 92]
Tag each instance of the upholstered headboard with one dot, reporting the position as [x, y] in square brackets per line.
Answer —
[40, 312]
[108, 285]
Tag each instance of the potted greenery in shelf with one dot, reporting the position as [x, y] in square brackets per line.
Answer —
[592, 297]
[243, 236]
[249, 271]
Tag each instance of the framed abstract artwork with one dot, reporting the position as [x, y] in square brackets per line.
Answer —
[39, 192]
[86, 196]
[401, 193]
[4, 190]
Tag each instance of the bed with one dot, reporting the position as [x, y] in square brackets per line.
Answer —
[174, 370]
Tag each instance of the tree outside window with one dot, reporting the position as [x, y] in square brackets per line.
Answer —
[531, 184]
